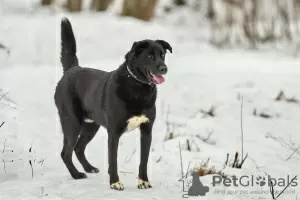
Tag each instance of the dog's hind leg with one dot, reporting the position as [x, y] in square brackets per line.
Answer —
[71, 129]
[88, 131]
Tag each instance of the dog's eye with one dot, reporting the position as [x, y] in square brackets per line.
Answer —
[163, 55]
[151, 57]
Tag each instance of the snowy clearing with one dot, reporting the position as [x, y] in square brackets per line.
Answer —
[199, 77]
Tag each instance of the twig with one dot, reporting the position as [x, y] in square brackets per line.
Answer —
[287, 186]
[209, 135]
[130, 157]
[207, 138]
[2, 124]
[4, 146]
[30, 149]
[4, 163]
[240, 165]
[193, 141]
[181, 160]
[159, 159]
[188, 146]
[283, 143]
[4, 167]
[31, 168]
[235, 160]
[280, 96]
[242, 131]
[226, 162]
[272, 190]
[42, 192]
[42, 161]
[3, 95]
[5, 48]
[295, 151]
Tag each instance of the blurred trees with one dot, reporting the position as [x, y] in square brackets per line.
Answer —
[74, 5]
[46, 2]
[253, 22]
[100, 5]
[179, 2]
[248, 23]
[140, 9]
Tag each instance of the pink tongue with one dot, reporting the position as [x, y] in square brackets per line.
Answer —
[158, 79]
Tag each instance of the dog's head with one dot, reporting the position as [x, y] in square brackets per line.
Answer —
[146, 60]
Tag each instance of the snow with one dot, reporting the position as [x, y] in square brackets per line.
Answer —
[199, 77]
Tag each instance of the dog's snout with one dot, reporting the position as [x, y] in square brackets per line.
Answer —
[163, 69]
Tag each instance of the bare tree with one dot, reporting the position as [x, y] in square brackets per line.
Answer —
[46, 2]
[100, 5]
[140, 9]
[74, 5]
[285, 18]
[180, 2]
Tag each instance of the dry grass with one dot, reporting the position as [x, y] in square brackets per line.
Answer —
[204, 169]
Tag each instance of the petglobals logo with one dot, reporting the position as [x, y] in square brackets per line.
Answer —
[250, 181]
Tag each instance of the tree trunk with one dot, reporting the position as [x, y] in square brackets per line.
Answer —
[179, 2]
[46, 2]
[140, 9]
[74, 5]
[100, 5]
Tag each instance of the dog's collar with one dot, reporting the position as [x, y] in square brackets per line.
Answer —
[136, 78]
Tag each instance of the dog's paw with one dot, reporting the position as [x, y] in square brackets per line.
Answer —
[92, 169]
[79, 175]
[144, 184]
[117, 186]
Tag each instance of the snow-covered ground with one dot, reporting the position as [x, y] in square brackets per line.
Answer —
[199, 77]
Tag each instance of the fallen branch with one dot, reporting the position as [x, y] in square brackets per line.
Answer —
[262, 114]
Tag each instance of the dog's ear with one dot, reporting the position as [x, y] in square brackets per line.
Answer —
[165, 45]
[137, 48]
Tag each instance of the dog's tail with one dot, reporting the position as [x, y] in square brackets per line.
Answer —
[68, 56]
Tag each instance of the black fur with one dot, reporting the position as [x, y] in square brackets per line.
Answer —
[108, 98]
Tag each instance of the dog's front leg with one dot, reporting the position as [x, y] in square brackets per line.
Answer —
[146, 138]
[113, 144]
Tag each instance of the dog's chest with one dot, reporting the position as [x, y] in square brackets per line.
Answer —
[135, 122]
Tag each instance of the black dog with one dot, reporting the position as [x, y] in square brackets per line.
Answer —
[120, 101]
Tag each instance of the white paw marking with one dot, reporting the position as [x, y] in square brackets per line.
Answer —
[87, 120]
[136, 121]
[117, 186]
[144, 184]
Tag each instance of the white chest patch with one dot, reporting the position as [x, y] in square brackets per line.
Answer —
[87, 120]
[135, 122]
